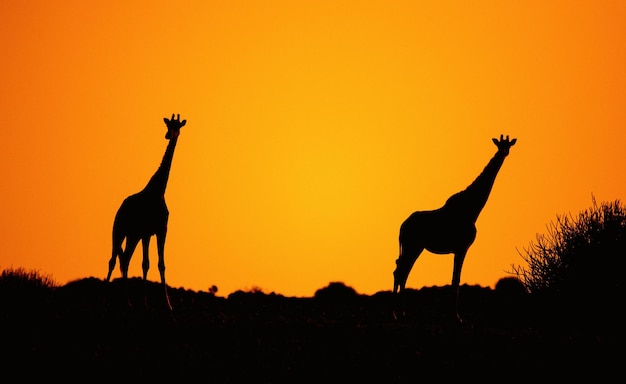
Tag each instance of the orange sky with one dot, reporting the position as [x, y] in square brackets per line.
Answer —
[314, 128]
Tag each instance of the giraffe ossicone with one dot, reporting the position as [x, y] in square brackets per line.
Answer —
[173, 126]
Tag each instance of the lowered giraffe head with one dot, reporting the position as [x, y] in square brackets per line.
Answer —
[504, 144]
[173, 126]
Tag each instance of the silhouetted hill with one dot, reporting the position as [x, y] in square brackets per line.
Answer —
[84, 330]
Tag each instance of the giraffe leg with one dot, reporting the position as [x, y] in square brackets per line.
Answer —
[131, 244]
[145, 263]
[459, 257]
[404, 264]
[112, 264]
[117, 239]
[161, 265]
[117, 252]
[145, 266]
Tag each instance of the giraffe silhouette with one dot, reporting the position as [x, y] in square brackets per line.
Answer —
[451, 228]
[145, 214]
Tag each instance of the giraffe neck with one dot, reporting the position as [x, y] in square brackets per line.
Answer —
[158, 183]
[472, 200]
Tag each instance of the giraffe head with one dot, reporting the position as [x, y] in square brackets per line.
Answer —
[504, 144]
[173, 126]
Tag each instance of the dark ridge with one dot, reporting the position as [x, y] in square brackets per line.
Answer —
[84, 330]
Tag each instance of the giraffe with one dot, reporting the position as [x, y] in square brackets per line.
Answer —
[145, 214]
[451, 228]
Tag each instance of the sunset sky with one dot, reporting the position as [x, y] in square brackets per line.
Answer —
[314, 128]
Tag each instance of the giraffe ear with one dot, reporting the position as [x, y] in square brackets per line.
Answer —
[513, 142]
[495, 141]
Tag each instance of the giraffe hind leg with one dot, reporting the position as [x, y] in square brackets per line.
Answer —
[125, 257]
[112, 262]
[117, 252]
[404, 264]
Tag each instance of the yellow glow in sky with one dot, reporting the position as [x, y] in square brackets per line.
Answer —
[313, 130]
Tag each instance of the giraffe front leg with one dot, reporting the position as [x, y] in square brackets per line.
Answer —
[459, 257]
[145, 266]
[161, 265]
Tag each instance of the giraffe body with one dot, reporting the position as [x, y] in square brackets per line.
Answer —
[450, 229]
[140, 217]
[145, 214]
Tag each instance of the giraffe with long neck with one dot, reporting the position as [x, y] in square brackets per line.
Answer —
[145, 214]
[451, 228]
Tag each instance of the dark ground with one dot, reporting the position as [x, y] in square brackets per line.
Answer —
[82, 331]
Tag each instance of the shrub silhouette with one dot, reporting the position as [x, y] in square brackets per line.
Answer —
[20, 278]
[579, 263]
[336, 292]
[510, 286]
[511, 298]
[25, 290]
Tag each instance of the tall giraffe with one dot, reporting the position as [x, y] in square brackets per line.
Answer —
[451, 228]
[145, 214]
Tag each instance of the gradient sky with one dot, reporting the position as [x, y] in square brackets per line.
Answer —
[314, 128]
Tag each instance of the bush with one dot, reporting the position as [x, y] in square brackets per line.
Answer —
[510, 287]
[336, 291]
[21, 279]
[26, 291]
[581, 259]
